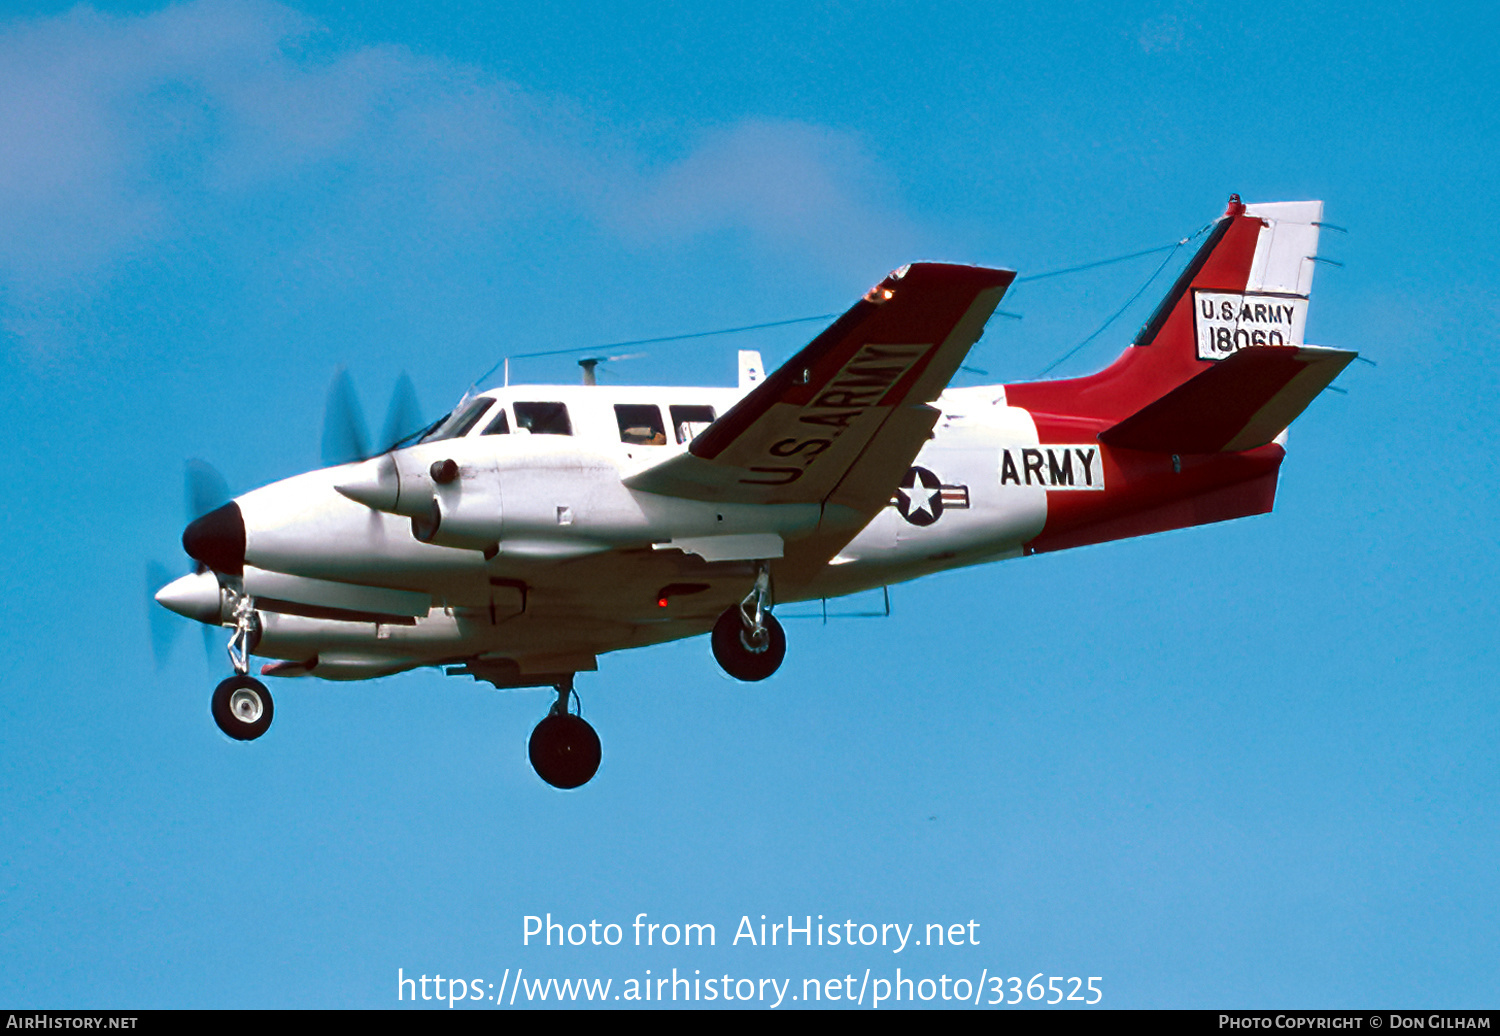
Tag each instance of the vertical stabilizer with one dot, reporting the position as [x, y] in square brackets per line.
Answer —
[1247, 285]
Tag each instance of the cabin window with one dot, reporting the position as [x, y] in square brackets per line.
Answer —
[690, 420]
[499, 426]
[640, 424]
[544, 418]
[459, 422]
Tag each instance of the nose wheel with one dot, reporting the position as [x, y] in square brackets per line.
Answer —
[564, 749]
[241, 704]
[242, 708]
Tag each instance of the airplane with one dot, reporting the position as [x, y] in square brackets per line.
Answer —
[535, 528]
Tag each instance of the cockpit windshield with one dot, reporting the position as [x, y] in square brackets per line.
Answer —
[459, 422]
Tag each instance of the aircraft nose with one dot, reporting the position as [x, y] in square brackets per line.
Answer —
[218, 540]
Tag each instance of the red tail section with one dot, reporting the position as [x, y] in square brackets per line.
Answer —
[1165, 352]
[1183, 420]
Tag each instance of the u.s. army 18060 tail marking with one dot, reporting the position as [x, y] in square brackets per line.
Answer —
[1229, 322]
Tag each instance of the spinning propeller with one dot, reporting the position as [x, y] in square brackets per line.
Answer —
[204, 490]
[345, 439]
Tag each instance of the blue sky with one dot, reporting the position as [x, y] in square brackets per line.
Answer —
[1244, 765]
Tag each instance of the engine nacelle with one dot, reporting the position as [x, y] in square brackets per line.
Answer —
[450, 490]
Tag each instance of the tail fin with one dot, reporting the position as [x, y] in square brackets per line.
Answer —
[1248, 285]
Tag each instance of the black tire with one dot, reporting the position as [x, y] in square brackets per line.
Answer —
[242, 708]
[564, 750]
[739, 657]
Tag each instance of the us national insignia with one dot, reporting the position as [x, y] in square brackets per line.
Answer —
[922, 498]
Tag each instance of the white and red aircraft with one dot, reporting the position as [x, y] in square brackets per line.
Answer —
[538, 527]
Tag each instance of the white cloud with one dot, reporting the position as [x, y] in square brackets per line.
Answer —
[802, 186]
[125, 134]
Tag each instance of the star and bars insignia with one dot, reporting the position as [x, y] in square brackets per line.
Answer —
[922, 497]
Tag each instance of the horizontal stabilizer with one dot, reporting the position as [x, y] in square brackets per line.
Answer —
[1242, 402]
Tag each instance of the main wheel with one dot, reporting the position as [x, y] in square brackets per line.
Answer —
[242, 707]
[739, 654]
[564, 750]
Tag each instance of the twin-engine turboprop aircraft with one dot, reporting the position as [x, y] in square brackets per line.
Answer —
[538, 527]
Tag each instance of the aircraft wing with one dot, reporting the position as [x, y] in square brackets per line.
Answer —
[841, 421]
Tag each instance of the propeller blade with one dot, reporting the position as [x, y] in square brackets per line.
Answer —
[344, 435]
[404, 416]
[214, 639]
[163, 623]
[206, 489]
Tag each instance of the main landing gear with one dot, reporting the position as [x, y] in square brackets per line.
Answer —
[242, 706]
[564, 749]
[747, 641]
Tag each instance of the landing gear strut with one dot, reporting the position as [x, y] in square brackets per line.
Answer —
[564, 749]
[747, 641]
[242, 706]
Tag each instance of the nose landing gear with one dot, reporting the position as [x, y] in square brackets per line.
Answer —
[564, 749]
[747, 641]
[242, 706]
